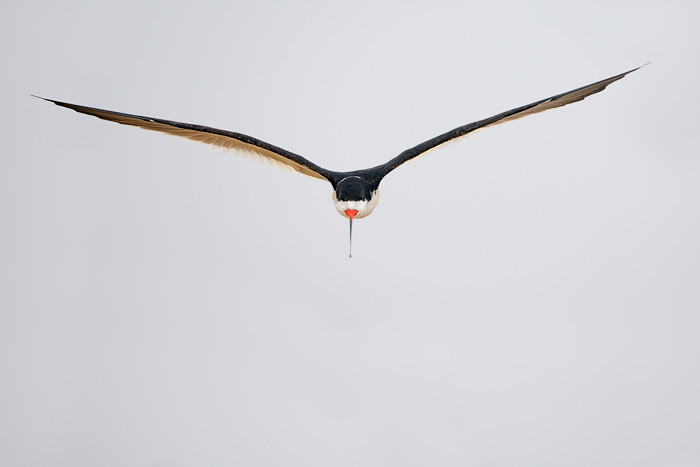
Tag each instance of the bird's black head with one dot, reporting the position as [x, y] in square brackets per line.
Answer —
[354, 188]
[355, 196]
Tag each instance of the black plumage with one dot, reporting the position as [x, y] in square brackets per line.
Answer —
[355, 192]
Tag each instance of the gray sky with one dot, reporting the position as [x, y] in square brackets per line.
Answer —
[527, 296]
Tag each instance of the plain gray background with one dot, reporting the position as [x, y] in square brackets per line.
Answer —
[527, 296]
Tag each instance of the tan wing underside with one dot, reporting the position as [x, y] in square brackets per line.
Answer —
[552, 103]
[212, 139]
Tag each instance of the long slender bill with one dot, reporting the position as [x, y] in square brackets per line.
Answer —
[351, 237]
[351, 213]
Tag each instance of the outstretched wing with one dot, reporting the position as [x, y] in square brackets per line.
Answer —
[540, 106]
[246, 145]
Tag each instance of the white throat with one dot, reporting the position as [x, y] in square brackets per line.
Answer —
[364, 208]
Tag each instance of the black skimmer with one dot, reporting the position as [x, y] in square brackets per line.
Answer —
[355, 193]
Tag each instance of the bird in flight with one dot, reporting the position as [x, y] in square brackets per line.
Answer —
[355, 193]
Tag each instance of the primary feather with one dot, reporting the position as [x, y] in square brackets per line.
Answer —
[244, 144]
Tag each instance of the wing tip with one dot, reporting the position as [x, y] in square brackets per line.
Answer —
[622, 75]
[59, 103]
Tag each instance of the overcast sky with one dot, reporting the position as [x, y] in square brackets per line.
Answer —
[527, 296]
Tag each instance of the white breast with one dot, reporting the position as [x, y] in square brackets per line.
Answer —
[363, 208]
